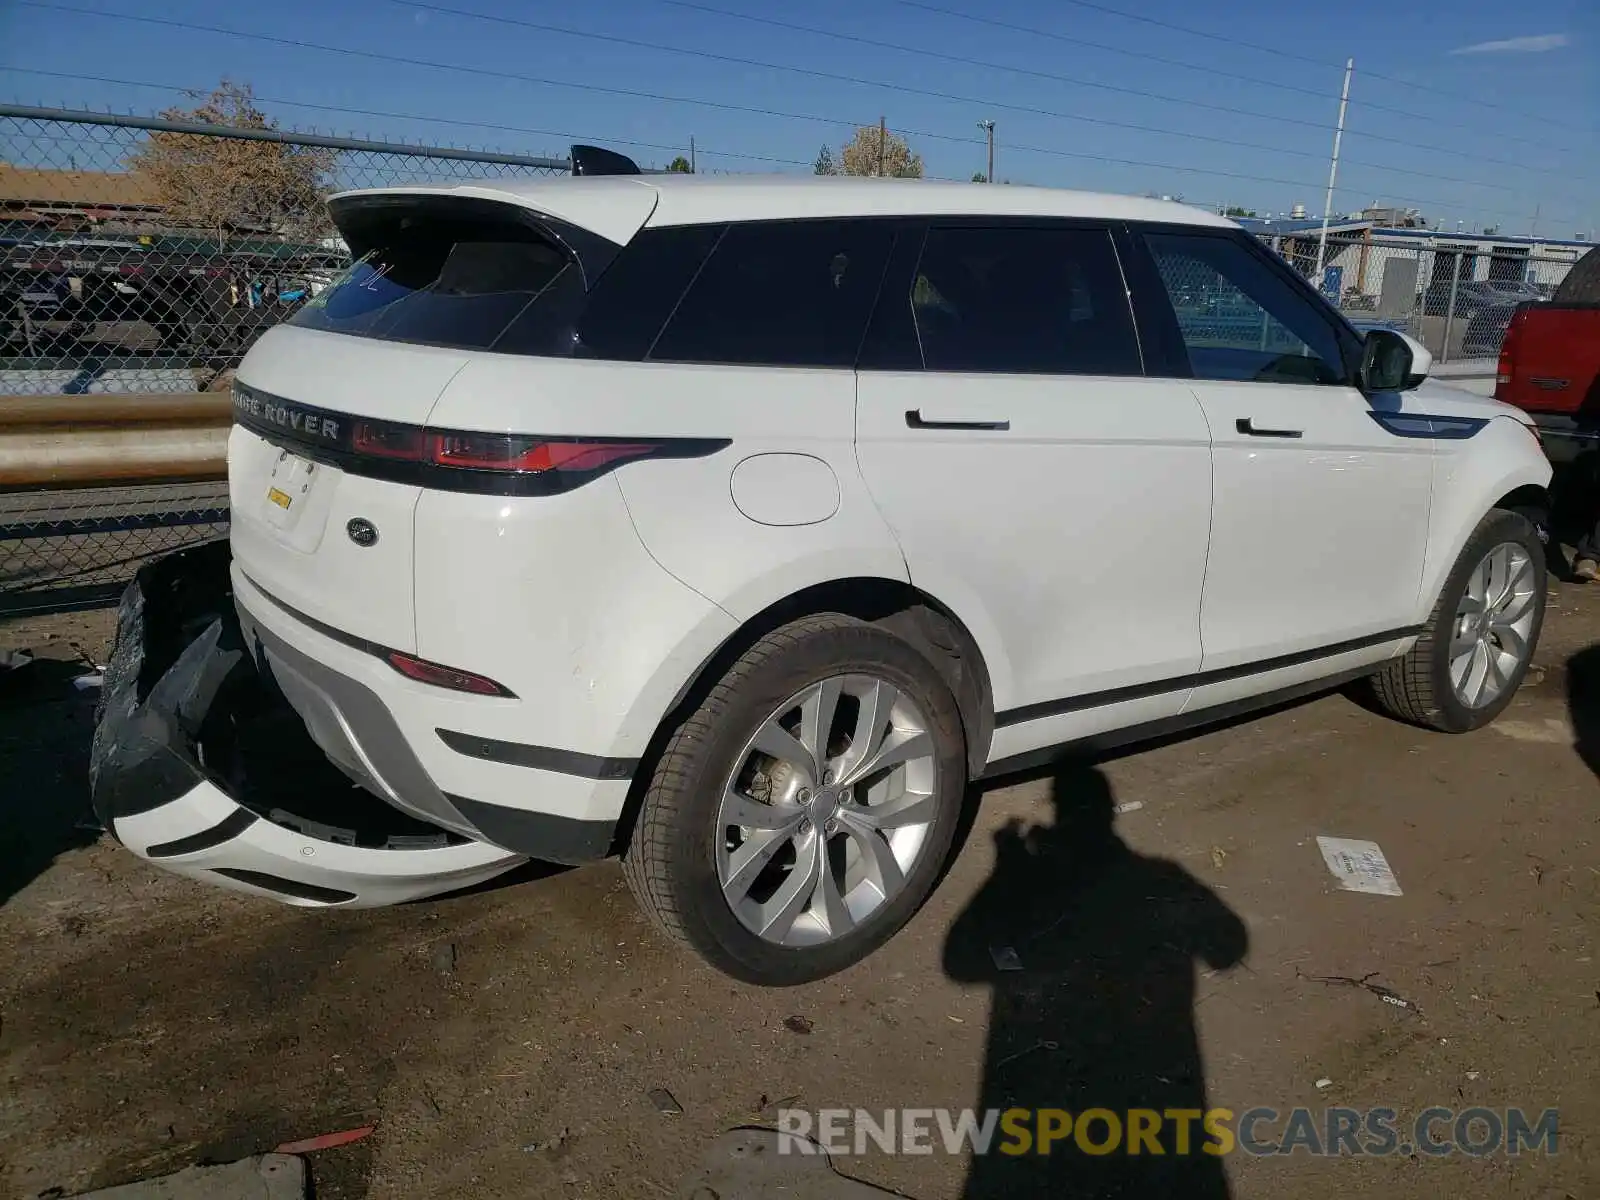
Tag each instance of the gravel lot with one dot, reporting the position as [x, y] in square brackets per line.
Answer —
[505, 1042]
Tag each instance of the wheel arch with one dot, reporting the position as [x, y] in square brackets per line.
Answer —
[1533, 502]
[903, 609]
[1505, 469]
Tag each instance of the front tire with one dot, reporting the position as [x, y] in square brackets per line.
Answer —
[1481, 636]
[802, 813]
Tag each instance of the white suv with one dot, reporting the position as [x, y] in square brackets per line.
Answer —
[735, 525]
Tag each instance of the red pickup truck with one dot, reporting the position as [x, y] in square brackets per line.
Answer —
[1550, 362]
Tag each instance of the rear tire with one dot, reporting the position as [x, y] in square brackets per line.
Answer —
[1433, 684]
[883, 826]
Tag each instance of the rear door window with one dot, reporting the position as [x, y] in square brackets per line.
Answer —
[452, 280]
[781, 293]
[1023, 299]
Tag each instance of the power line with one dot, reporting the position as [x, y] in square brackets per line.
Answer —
[918, 133]
[491, 73]
[1319, 62]
[835, 77]
[483, 72]
[878, 44]
[1257, 81]
[395, 116]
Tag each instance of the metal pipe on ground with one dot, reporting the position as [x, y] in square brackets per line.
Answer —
[31, 458]
[104, 438]
[162, 408]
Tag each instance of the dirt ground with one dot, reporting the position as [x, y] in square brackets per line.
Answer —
[149, 1022]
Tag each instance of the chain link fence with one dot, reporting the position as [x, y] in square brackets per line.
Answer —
[77, 548]
[145, 256]
[1455, 294]
[139, 254]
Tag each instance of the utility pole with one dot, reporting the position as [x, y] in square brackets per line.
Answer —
[883, 144]
[988, 128]
[1333, 171]
[692, 170]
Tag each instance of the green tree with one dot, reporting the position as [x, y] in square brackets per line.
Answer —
[824, 165]
[1233, 210]
[680, 166]
[979, 177]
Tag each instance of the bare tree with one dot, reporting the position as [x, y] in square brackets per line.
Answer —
[222, 184]
[871, 152]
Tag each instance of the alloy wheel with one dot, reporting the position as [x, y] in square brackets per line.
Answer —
[827, 810]
[1491, 634]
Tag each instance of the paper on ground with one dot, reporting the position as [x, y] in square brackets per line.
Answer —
[1359, 866]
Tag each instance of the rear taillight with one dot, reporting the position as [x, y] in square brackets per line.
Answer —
[509, 454]
[1508, 348]
[456, 680]
[527, 455]
[460, 460]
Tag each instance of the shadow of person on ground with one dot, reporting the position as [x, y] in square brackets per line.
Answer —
[1583, 704]
[1099, 1013]
[46, 725]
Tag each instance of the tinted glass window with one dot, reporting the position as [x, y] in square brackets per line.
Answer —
[631, 302]
[1239, 318]
[781, 293]
[450, 280]
[1036, 300]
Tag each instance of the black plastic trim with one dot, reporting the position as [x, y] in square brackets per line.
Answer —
[1168, 726]
[322, 627]
[539, 835]
[596, 160]
[541, 758]
[286, 887]
[1141, 691]
[224, 830]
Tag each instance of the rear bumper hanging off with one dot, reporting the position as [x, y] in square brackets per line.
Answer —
[182, 696]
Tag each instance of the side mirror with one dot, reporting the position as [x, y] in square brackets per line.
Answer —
[1392, 362]
[1421, 360]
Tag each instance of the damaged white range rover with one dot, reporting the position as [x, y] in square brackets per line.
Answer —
[734, 526]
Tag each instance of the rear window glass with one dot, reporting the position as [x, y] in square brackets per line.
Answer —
[454, 281]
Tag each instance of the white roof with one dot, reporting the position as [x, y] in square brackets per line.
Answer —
[616, 206]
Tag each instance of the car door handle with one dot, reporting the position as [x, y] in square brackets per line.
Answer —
[915, 420]
[1245, 426]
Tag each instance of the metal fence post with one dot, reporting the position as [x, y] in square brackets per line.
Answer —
[1450, 310]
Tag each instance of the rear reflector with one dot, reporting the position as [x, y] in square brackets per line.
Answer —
[424, 671]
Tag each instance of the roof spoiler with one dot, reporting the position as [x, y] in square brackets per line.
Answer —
[592, 160]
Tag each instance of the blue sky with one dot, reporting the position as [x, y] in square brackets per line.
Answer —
[1501, 130]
